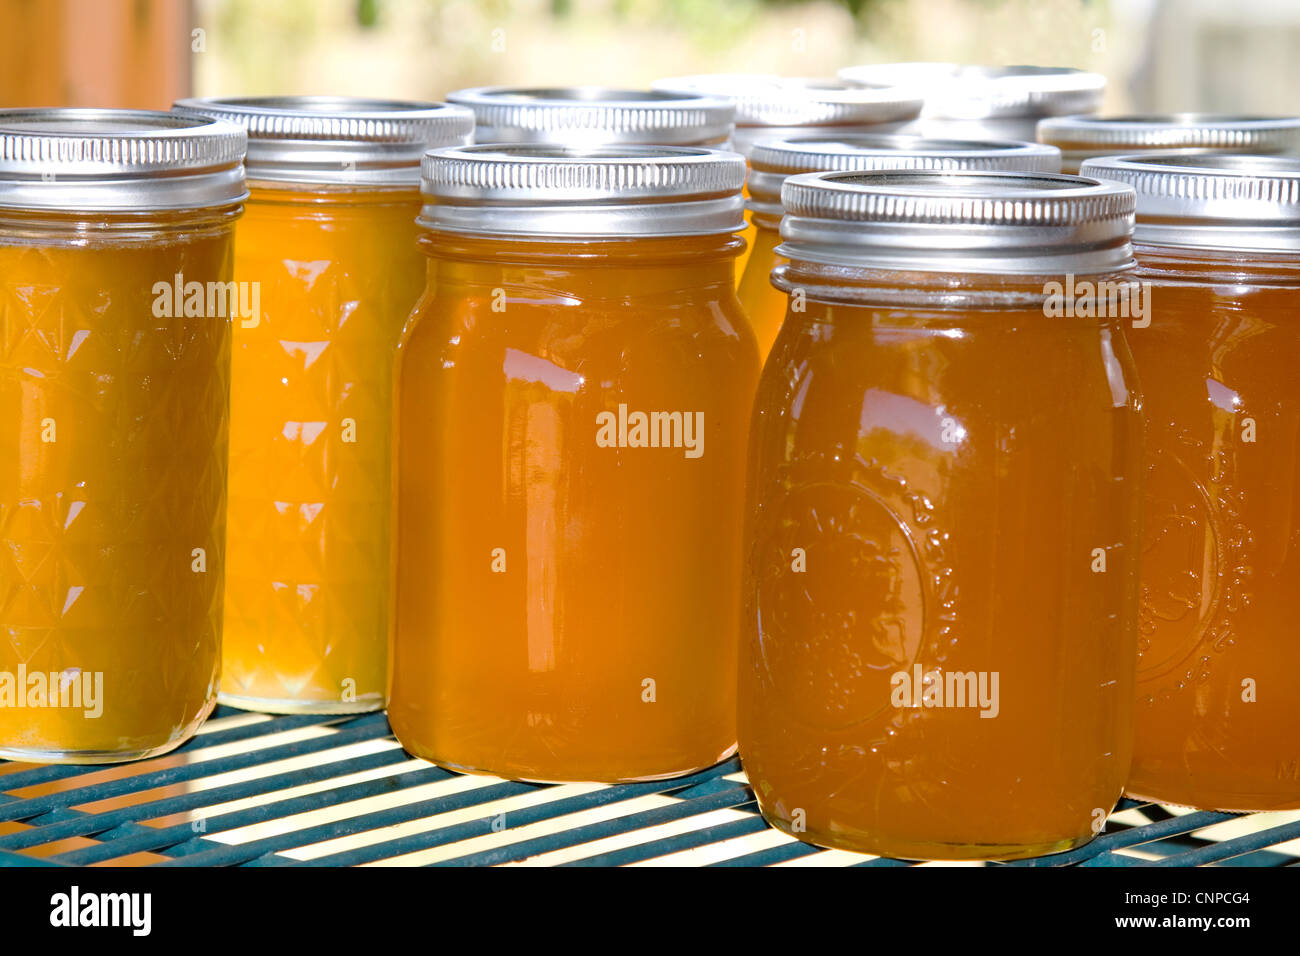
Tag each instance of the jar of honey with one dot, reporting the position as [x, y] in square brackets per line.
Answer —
[1089, 137]
[771, 161]
[1218, 692]
[943, 506]
[328, 250]
[986, 102]
[574, 404]
[583, 116]
[116, 305]
[777, 107]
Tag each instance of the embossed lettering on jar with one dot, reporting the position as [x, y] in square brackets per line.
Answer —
[940, 592]
[1218, 239]
[115, 264]
[327, 256]
[574, 403]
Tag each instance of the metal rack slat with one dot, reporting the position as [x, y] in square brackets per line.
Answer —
[337, 790]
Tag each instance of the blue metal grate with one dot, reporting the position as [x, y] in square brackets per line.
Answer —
[337, 790]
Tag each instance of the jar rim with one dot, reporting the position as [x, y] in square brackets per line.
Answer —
[1215, 200]
[1003, 223]
[770, 100]
[595, 115]
[553, 190]
[774, 160]
[957, 91]
[342, 140]
[79, 159]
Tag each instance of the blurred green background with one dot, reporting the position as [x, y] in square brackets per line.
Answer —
[1223, 55]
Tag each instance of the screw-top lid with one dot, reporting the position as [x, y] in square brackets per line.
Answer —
[1004, 223]
[773, 160]
[1085, 137]
[1210, 200]
[117, 160]
[768, 105]
[957, 91]
[337, 139]
[552, 191]
[583, 116]
[764, 99]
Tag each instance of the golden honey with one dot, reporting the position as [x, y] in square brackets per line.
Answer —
[573, 418]
[307, 591]
[114, 392]
[941, 587]
[328, 250]
[1218, 692]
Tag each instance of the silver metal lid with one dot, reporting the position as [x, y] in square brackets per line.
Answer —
[117, 160]
[954, 91]
[1210, 200]
[336, 139]
[1084, 137]
[765, 99]
[768, 105]
[1004, 223]
[773, 160]
[552, 191]
[583, 116]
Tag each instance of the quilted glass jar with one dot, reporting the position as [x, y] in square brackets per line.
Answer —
[328, 244]
[115, 315]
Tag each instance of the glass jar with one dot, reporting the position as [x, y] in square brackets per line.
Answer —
[773, 160]
[943, 505]
[776, 107]
[1088, 137]
[575, 394]
[986, 102]
[1218, 239]
[329, 245]
[115, 315]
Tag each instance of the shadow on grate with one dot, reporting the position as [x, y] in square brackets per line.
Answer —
[255, 790]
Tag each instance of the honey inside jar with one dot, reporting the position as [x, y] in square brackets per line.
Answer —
[1219, 667]
[328, 251]
[940, 595]
[114, 390]
[573, 418]
[773, 160]
[308, 584]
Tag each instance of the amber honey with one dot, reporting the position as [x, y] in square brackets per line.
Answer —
[308, 588]
[1218, 668]
[571, 444]
[114, 387]
[1219, 671]
[941, 587]
[328, 253]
